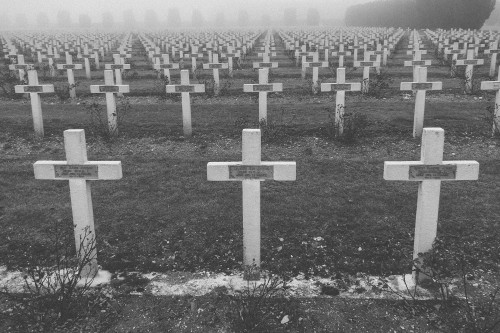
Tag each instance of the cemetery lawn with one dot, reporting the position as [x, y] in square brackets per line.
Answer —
[337, 219]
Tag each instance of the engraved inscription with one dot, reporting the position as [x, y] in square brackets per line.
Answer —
[265, 64]
[418, 63]
[166, 66]
[423, 172]
[421, 86]
[184, 88]
[33, 89]
[341, 86]
[116, 66]
[214, 66]
[76, 171]
[251, 172]
[263, 87]
[108, 89]
[470, 62]
[68, 66]
[315, 64]
[366, 63]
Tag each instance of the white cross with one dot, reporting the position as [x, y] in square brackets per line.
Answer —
[366, 64]
[493, 50]
[110, 89]
[185, 89]
[494, 85]
[215, 65]
[420, 86]
[78, 170]
[166, 66]
[429, 172]
[263, 88]
[251, 171]
[69, 67]
[34, 89]
[340, 88]
[315, 64]
[470, 62]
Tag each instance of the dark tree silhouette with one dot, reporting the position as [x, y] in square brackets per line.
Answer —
[419, 14]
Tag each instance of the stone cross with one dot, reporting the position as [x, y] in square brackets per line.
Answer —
[166, 66]
[110, 89]
[366, 64]
[315, 66]
[341, 54]
[470, 62]
[420, 86]
[454, 51]
[185, 89]
[263, 88]
[494, 85]
[229, 56]
[416, 64]
[21, 66]
[429, 172]
[340, 88]
[78, 170]
[86, 58]
[69, 67]
[194, 55]
[34, 89]
[251, 171]
[215, 66]
[493, 50]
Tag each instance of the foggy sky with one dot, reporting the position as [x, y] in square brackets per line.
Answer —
[209, 8]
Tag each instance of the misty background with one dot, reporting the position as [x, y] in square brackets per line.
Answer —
[44, 13]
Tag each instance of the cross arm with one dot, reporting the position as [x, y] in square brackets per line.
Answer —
[166, 66]
[189, 88]
[95, 89]
[417, 171]
[43, 88]
[69, 66]
[271, 87]
[236, 171]
[265, 65]
[92, 170]
[490, 85]
[117, 66]
[421, 86]
[341, 86]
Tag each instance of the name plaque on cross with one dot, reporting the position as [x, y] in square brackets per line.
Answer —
[215, 66]
[340, 86]
[263, 87]
[68, 66]
[113, 89]
[439, 172]
[265, 64]
[315, 64]
[184, 88]
[418, 63]
[421, 86]
[116, 66]
[167, 66]
[243, 172]
[33, 89]
[76, 171]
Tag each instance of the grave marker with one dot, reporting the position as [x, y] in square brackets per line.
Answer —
[421, 86]
[494, 85]
[110, 89]
[263, 88]
[429, 172]
[78, 171]
[340, 88]
[185, 89]
[69, 67]
[251, 171]
[34, 89]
